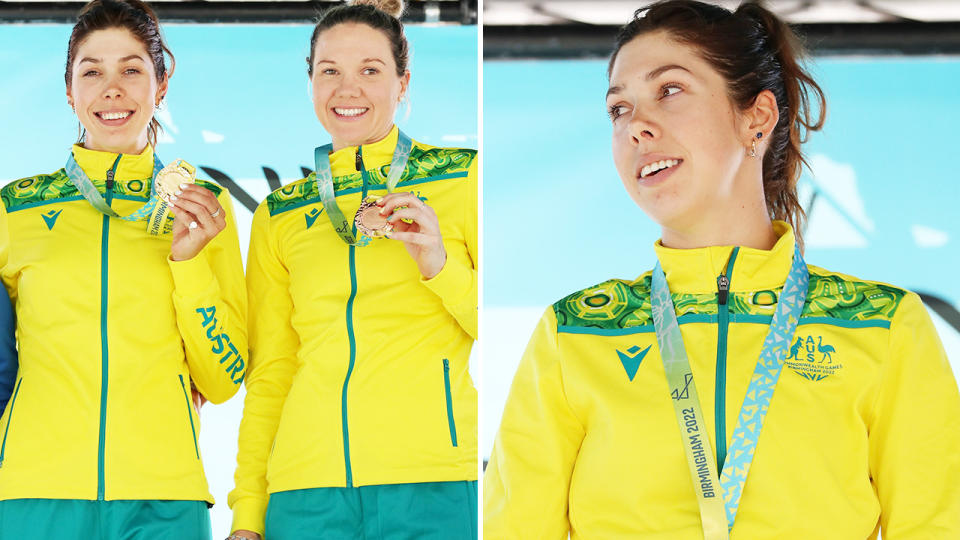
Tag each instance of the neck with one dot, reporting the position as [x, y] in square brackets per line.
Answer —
[339, 144]
[749, 227]
[132, 148]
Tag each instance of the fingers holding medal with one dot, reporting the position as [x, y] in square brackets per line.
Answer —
[198, 215]
[414, 223]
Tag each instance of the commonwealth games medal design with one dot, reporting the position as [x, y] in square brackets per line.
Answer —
[170, 177]
[369, 221]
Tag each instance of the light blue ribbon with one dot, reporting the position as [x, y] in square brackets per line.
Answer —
[762, 383]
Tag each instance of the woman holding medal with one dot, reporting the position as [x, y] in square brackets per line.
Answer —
[646, 409]
[360, 415]
[120, 306]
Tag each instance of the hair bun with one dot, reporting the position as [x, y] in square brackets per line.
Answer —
[393, 8]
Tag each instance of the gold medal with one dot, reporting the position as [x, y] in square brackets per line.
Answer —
[170, 177]
[369, 221]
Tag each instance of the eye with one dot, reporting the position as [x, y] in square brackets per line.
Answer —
[90, 73]
[616, 111]
[670, 89]
[329, 71]
[131, 71]
[370, 71]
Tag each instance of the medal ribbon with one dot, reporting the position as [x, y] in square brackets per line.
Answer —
[154, 211]
[686, 401]
[324, 179]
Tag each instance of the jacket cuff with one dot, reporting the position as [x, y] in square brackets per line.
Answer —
[192, 277]
[249, 513]
[452, 283]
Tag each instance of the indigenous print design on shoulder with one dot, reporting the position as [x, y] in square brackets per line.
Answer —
[620, 304]
[425, 162]
[37, 189]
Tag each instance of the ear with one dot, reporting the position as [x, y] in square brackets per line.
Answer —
[69, 98]
[761, 117]
[404, 83]
[162, 88]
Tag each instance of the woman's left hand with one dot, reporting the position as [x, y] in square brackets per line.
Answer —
[421, 237]
[198, 218]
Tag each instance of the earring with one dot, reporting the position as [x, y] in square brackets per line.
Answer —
[753, 144]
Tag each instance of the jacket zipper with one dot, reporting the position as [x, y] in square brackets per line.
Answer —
[193, 430]
[723, 322]
[104, 351]
[3, 446]
[350, 335]
[446, 387]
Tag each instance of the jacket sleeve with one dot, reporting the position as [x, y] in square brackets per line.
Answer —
[211, 305]
[915, 433]
[8, 343]
[273, 362]
[527, 480]
[456, 283]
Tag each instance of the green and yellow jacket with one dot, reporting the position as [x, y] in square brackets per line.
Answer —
[358, 365]
[863, 432]
[110, 333]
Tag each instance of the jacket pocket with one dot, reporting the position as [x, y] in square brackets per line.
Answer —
[6, 430]
[193, 430]
[446, 387]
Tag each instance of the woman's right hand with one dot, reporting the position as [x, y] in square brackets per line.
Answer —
[243, 533]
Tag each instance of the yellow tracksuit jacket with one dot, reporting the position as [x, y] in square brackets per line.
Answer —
[358, 369]
[110, 334]
[863, 432]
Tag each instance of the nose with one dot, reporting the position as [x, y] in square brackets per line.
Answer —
[642, 128]
[349, 86]
[113, 89]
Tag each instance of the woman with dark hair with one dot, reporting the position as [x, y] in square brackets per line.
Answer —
[645, 408]
[360, 416]
[128, 289]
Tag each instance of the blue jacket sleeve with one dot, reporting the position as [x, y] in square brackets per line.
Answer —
[8, 350]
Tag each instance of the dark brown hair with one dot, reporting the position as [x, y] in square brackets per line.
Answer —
[139, 19]
[382, 15]
[754, 51]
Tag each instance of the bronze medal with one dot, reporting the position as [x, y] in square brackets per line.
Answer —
[369, 221]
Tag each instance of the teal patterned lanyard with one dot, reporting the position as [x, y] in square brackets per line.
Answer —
[90, 193]
[755, 405]
[324, 178]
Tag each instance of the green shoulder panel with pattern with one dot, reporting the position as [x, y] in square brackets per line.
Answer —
[620, 304]
[292, 195]
[215, 188]
[425, 162]
[848, 298]
[37, 189]
[615, 303]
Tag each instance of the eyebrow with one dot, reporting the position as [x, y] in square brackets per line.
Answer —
[650, 76]
[365, 60]
[98, 60]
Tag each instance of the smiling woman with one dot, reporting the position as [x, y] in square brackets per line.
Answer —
[99, 438]
[361, 418]
[645, 408]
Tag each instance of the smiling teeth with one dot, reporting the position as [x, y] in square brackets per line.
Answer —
[114, 115]
[350, 112]
[658, 166]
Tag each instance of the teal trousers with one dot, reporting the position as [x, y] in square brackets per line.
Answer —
[423, 511]
[69, 519]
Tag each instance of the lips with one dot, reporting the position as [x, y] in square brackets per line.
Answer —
[114, 117]
[349, 113]
[654, 169]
